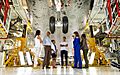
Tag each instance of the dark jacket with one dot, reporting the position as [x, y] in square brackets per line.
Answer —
[84, 44]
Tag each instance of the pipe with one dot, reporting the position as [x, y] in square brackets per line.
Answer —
[117, 7]
[91, 4]
[91, 30]
[109, 10]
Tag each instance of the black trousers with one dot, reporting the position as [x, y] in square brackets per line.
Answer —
[85, 52]
[64, 53]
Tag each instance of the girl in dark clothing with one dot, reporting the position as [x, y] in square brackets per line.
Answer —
[54, 54]
[84, 47]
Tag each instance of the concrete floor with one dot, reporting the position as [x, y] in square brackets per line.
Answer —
[59, 71]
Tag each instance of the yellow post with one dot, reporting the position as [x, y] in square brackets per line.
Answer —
[23, 43]
[98, 53]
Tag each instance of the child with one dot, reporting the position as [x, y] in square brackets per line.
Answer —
[54, 54]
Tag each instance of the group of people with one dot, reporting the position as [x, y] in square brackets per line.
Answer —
[78, 45]
[51, 50]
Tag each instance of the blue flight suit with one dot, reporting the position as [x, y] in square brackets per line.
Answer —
[77, 55]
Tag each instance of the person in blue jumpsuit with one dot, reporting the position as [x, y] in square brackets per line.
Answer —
[77, 55]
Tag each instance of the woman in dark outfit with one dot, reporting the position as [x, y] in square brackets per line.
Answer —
[84, 47]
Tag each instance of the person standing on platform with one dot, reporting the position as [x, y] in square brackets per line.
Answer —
[84, 47]
[37, 41]
[64, 51]
[54, 54]
[77, 54]
[47, 47]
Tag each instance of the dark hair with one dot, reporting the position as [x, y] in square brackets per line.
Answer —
[64, 37]
[48, 32]
[52, 40]
[37, 33]
[83, 35]
[76, 34]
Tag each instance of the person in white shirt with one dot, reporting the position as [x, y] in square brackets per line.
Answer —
[64, 51]
[47, 46]
[37, 41]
